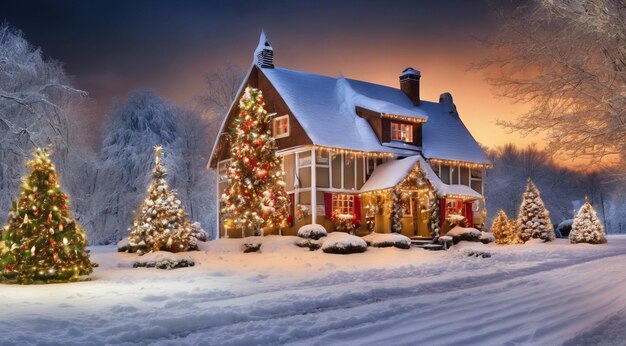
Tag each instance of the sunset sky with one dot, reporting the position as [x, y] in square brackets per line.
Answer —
[113, 47]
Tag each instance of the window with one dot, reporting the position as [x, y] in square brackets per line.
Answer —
[223, 172]
[402, 132]
[280, 126]
[343, 204]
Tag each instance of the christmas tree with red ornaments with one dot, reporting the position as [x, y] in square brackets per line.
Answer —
[41, 241]
[255, 199]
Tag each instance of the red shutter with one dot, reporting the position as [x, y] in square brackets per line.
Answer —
[357, 209]
[469, 214]
[328, 205]
[292, 208]
[442, 210]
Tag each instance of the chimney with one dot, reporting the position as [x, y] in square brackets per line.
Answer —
[264, 53]
[410, 84]
[447, 102]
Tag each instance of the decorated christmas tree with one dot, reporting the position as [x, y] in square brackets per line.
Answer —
[41, 241]
[161, 223]
[504, 230]
[396, 211]
[533, 219]
[255, 198]
[587, 228]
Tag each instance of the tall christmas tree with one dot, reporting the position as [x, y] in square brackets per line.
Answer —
[255, 197]
[504, 230]
[586, 227]
[161, 223]
[533, 219]
[41, 241]
[396, 211]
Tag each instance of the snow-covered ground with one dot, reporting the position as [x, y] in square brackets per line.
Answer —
[542, 294]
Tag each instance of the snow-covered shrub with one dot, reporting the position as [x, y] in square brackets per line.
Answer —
[312, 232]
[533, 219]
[199, 233]
[464, 234]
[165, 262]
[504, 230]
[123, 245]
[387, 240]
[477, 253]
[251, 247]
[312, 244]
[586, 227]
[343, 243]
[486, 237]
[565, 227]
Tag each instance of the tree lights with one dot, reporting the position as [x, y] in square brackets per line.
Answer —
[161, 223]
[41, 241]
[255, 198]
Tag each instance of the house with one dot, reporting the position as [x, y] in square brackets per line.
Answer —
[347, 145]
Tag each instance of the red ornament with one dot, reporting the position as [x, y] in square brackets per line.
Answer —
[23, 247]
[8, 267]
[49, 217]
[244, 113]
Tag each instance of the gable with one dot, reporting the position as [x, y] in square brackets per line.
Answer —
[273, 104]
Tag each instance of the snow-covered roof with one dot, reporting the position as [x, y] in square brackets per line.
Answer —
[391, 173]
[325, 107]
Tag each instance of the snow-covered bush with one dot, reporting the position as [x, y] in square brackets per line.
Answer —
[343, 243]
[312, 232]
[459, 233]
[250, 246]
[504, 230]
[199, 233]
[486, 237]
[123, 245]
[586, 227]
[533, 219]
[387, 240]
[164, 262]
[565, 227]
[312, 244]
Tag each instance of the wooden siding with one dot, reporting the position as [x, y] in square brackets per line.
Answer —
[274, 103]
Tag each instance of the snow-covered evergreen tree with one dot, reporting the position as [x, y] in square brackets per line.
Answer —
[533, 219]
[396, 211]
[161, 223]
[255, 197]
[504, 230]
[145, 120]
[587, 228]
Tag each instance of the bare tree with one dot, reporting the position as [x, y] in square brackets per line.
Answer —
[567, 59]
[35, 96]
[222, 85]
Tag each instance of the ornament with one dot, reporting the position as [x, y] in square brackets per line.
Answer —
[49, 217]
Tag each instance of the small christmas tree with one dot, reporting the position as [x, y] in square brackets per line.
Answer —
[41, 241]
[533, 219]
[504, 230]
[161, 223]
[587, 228]
[255, 197]
[396, 211]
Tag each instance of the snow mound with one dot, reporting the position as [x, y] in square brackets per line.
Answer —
[387, 240]
[270, 244]
[312, 232]
[343, 243]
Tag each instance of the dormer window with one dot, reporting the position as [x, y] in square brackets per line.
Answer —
[402, 132]
[280, 126]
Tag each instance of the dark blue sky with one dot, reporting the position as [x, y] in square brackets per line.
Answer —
[113, 47]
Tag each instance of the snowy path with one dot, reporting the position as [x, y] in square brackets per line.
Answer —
[529, 294]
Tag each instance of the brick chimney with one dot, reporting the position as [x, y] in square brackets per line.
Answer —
[410, 84]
